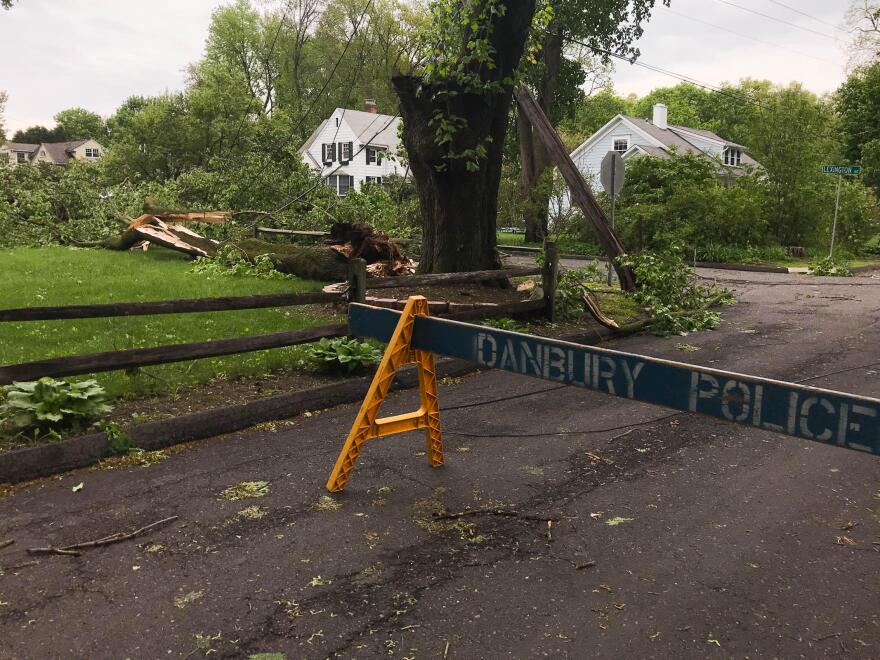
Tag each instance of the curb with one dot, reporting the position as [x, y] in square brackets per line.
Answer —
[864, 269]
[31, 463]
[756, 268]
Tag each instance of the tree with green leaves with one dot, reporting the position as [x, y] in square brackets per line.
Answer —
[455, 108]
[81, 124]
[592, 113]
[858, 106]
[38, 134]
[556, 72]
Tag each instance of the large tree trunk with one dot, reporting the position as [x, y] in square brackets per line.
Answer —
[534, 187]
[459, 206]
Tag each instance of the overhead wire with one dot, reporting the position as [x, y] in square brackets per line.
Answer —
[810, 16]
[755, 39]
[778, 20]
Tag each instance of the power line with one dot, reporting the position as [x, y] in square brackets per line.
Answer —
[746, 36]
[327, 82]
[778, 20]
[357, 26]
[810, 16]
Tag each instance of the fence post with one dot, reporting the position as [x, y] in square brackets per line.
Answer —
[549, 276]
[357, 281]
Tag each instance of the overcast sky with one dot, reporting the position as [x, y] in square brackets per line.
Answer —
[57, 54]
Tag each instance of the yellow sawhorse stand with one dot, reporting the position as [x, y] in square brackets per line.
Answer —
[367, 427]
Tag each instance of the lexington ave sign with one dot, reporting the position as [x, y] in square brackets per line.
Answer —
[835, 418]
[843, 170]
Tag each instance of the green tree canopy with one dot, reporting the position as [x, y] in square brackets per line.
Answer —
[81, 124]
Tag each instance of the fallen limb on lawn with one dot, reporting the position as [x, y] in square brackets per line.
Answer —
[151, 229]
[72, 550]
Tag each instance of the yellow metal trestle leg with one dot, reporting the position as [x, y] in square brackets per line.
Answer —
[367, 426]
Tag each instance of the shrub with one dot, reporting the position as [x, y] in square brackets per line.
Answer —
[343, 355]
[829, 267]
[872, 245]
[505, 324]
[53, 404]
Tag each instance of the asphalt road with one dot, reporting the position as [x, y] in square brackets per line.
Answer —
[729, 542]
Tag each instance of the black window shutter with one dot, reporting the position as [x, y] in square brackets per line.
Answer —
[350, 150]
[324, 153]
[333, 152]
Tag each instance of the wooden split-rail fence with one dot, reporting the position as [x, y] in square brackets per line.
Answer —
[358, 286]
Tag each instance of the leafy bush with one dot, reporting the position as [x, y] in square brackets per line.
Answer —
[343, 354]
[872, 245]
[829, 267]
[55, 404]
[505, 324]
[677, 304]
[230, 262]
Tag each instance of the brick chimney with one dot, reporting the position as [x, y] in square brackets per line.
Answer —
[370, 106]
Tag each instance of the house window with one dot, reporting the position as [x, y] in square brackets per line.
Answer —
[340, 183]
[621, 145]
[732, 157]
[375, 179]
[92, 153]
[345, 151]
[374, 156]
[21, 158]
[328, 152]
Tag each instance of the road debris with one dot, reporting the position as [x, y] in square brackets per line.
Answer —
[496, 512]
[616, 521]
[245, 490]
[73, 550]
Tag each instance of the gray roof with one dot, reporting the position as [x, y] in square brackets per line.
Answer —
[672, 139]
[666, 136]
[707, 134]
[313, 137]
[373, 128]
[369, 127]
[20, 146]
[59, 152]
[660, 152]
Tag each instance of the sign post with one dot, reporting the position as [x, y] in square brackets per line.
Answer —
[841, 171]
[611, 176]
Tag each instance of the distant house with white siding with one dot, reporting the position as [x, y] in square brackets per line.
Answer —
[352, 147]
[54, 153]
[632, 137]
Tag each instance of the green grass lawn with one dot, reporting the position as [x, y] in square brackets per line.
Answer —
[35, 277]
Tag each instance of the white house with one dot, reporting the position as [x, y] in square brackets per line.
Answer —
[632, 136]
[55, 153]
[354, 147]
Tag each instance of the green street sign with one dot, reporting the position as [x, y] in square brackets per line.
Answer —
[843, 170]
